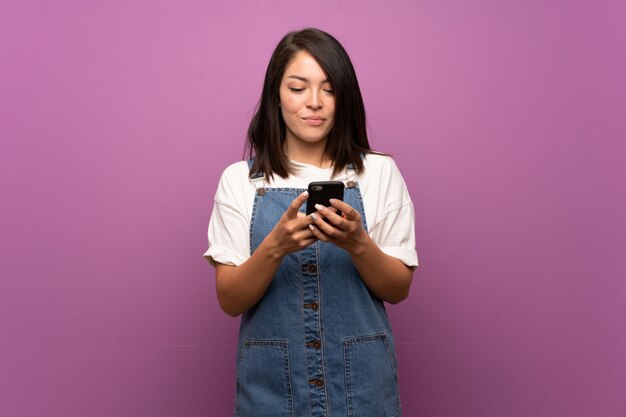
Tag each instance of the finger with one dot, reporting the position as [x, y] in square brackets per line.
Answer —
[345, 208]
[294, 207]
[300, 223]
[303, 234]
[304, 237]
[333, 217]
[319, 234]
[308, 242]
[329, 230]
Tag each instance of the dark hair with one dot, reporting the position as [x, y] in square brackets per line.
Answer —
[347, 139]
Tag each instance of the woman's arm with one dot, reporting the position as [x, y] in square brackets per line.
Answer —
[241, 287]
[386, 277]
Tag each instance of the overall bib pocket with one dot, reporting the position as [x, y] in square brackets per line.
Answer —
[263, 381]
[371, 377]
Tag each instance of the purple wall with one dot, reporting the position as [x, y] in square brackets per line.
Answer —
[507, 119]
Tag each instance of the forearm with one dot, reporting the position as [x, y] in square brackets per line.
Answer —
[386, 277]
[241, 287]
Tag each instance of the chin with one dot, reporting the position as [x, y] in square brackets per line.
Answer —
[314, 138]
[312, 141]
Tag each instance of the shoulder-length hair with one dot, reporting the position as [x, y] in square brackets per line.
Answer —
[347, 138]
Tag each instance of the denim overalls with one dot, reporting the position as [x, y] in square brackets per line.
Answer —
[318, 344]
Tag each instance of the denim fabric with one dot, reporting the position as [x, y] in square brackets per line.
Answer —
[318, 343]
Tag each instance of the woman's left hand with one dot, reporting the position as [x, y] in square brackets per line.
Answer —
[385, 276]
[345, 230]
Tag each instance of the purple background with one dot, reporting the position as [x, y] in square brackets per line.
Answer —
[508, 122]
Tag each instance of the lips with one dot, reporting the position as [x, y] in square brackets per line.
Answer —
[314, 120]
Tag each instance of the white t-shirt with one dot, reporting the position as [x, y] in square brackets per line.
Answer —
[388, 207]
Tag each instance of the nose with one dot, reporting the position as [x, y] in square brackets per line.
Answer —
[315, 100]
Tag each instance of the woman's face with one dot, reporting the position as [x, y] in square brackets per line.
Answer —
[307, 101]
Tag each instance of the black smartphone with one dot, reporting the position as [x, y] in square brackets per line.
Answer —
[320, 192]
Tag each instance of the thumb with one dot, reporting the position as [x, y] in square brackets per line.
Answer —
[294, 207]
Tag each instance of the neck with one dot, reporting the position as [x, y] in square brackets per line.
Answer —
[307, 153]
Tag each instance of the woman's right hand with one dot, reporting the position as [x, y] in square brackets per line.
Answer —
[236, 291]
[292, 232]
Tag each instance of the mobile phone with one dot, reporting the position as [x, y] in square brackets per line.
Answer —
[320, 192]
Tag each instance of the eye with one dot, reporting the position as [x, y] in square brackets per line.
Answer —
[296, 89]
[329, 91]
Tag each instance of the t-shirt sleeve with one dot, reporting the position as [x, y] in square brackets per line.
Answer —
[394, 231]
[228, 234]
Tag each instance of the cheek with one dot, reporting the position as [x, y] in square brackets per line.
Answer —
[330, 108]
[331, 115]
[289, 104]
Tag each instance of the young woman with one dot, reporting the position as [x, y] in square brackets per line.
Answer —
[314, 339]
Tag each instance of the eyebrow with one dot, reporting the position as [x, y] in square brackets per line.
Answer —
[297, 77]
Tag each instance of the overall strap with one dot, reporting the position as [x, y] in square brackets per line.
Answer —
[258, 179]
[258, 174]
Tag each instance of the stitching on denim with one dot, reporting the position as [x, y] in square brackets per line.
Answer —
[284, 347]
[288, 380]
[265, 342]
[252, 221]
[392, 359]
[348, 385]
[319, 327]
[238, 380]
[353, 340]
[285, 189]
[357, 191]
[350, 341]
[302, 313]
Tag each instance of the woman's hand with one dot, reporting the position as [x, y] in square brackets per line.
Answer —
[241, 287]
[344, 230]
[292, 232]
[385, 276]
